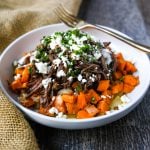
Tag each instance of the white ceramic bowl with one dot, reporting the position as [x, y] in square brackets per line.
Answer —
[29, 41]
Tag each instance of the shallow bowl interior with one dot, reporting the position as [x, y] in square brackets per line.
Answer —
[28, 42]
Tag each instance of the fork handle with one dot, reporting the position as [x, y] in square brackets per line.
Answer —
[137, 45]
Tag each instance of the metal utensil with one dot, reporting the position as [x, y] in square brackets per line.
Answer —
[65, 16]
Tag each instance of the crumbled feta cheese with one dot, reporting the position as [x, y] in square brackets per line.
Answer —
[17, 76]
[33, 57]
[79, 77]
[53, 110]
[107, 56]
[70, 78]
[42, 67]
[97, 55]
[45, 82]
[53, 98]
[15, 63]
[103, 96]
[125, 99]
[74, 47]
[60, 73]
[93, 79]
[84, 80]
[64, 60]
[74, 56]
[56, 61]
[61, 115]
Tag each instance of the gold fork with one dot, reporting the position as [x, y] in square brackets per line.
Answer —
[72, 21]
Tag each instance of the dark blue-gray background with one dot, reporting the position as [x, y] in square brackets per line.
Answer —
[131, 132]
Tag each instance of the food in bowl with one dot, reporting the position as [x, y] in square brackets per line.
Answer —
[71, 75]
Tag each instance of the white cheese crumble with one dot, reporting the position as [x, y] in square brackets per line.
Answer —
[33, 57]
[61, 115]
[97, 55]
[42, 67]
[17, 76]
[103, 96]
[84, 80]
[45, 82]
[92, 78]
[53, 110]
[15, 63]
[107, 56]
[70, 78]
[79, 77]
[60, 73]
[56, 61]
[125, 99]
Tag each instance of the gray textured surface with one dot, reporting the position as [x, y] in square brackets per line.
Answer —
[131, 132]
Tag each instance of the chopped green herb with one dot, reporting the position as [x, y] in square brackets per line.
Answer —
[30, 69]
[93, 100]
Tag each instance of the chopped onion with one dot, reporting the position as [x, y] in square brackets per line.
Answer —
[65, 91]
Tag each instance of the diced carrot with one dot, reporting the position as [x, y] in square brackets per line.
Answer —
[81, 101]
[121, 64]
[71, 108]
[127, 88]
[117, 75]
[117, 88]
[103, 85]
[82, 114]
[19, 70]
[92, 110]
[43, 110]
[107, 93]
[131, 80]
[119, 56]
[68, 98]
[60, 104]
[130, 68]
[28, 103]
[25, 75]
[92, 95]
[103, 106]
[16, 84]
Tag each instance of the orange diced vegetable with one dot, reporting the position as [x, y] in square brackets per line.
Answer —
[103, 85]
[92, 110]
[127, 88]
[121, 64]
[82, 114]
[16, 84]
[71, 108]
[81, 101]
[103, 106]
[130, 67]
[119, 56]
[28, 103]
[68, 98]
[25, 75]
[117, 75]
[92, 96]
[117, 88]
[19, 70]
[131, 80]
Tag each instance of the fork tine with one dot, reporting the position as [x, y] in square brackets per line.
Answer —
[69, 14]
[65, 16]
[63, 19]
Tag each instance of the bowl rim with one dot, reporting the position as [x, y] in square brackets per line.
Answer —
[98, 118]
